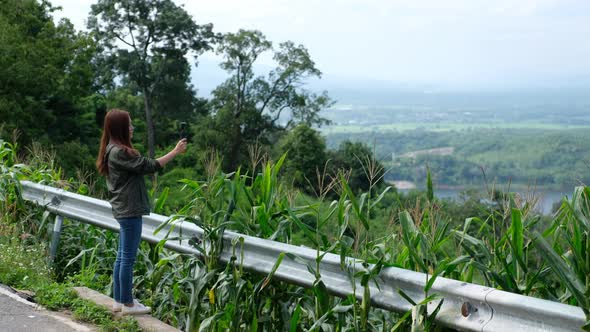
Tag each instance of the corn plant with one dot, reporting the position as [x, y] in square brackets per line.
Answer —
[19, 218]
[508, 247]
[425, 247]
[501, 251]
[569, 255]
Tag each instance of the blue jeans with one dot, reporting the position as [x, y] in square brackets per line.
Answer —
[129, 238]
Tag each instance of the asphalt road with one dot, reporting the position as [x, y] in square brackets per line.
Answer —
[16, 316]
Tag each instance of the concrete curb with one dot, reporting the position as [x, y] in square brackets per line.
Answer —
[146, 322]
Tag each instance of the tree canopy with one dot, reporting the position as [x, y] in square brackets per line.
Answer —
[56, 84]
[250, 109]
[45, 74]
[143, 42]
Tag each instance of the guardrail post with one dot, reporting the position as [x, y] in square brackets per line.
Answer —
[55, 237]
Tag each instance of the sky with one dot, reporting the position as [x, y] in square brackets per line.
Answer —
[450, 43]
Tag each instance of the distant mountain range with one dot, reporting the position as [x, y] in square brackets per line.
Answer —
[367, 92]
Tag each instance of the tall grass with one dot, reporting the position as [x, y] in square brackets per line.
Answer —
[506, 247]
[566, 248]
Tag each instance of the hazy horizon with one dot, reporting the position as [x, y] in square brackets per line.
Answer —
[455, 45]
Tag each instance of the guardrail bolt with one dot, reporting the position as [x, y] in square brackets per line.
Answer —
[467, 309]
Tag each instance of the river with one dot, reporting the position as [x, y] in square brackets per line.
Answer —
[545, 199]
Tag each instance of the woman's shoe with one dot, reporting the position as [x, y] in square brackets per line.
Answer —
[136, 309]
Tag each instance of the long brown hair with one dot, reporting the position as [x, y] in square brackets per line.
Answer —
[115, 131]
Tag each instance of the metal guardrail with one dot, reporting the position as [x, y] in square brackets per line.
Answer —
[466, 307]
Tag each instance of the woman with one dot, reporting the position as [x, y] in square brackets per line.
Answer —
[124, 169]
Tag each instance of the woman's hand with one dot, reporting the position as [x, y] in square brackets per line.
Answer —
[180, 146]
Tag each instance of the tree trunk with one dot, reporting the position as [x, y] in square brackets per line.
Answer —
[234, 153]
[150, 123]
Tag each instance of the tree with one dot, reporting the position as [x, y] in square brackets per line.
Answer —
[358, 159]
[46, 79]
[176, 95]
[142, 39]
[306, 154]
[251, 110]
